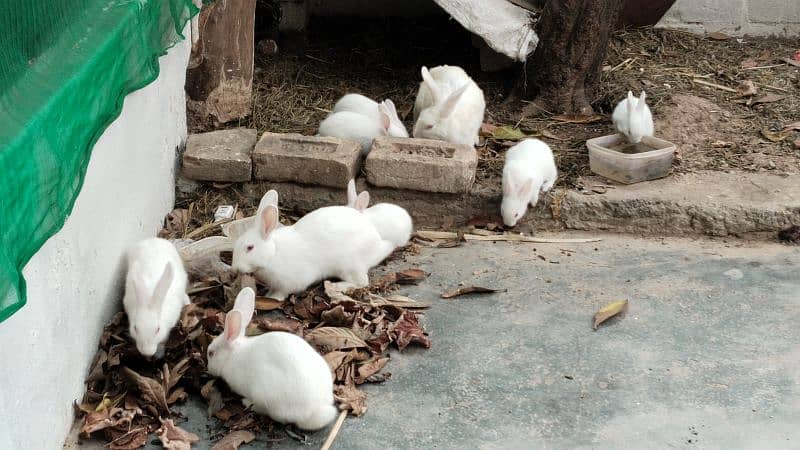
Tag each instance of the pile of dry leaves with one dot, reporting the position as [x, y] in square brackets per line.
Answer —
[128, 398]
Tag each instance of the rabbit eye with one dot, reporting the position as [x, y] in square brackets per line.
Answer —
[158, 330]
[211, 354]
[249, 248]
[135, 329]
[429, 127]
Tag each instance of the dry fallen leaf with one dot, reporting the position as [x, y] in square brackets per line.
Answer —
[487, 129]
[173, 437]
[369, 368]
[719, 36]
[410, 276]
[577, 118]
[351, 398]
[131, 440]
[470, 290]
[408, 330]
[749, 63]
[268, 304]
[791, 61]
[233, 440]
[609, 311]
[213, 397]
[794, 126]
[768, 98]
[776, 136]
[150, 388]
[335, 338]
[746, 88]
[722, 144]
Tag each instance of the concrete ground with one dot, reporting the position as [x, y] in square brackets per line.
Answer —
[708, 355]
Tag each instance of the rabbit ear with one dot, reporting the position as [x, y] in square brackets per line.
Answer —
[391, 108]
[160, 292]
[641, 104]
[431, 83]
[524, 191]
[449, 105]
[270, 198]
[385, 118]
[245, 304]
[631, 98]
[269, 220]
[351, 193]
[362, 201]
[233, 326]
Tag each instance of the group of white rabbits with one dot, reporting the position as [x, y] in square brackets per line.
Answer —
[279, 374]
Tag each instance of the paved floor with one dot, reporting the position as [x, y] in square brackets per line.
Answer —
[707, 357]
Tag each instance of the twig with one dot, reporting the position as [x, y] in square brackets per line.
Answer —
[714, 85]
[334, 431]
[764, 67]
[771, 87]
[426, 234]
[206, 227]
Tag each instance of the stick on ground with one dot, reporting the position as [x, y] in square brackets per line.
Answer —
[334, 431]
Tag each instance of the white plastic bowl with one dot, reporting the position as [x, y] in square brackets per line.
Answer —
[629, 168]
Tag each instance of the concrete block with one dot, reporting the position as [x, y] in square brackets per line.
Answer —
[773, 11]
[324, 161]
[421, 164]
[222, 155]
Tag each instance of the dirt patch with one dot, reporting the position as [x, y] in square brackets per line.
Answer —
[381, 58]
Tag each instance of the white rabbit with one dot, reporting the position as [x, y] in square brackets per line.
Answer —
[278, 373]
[633, 118]
[449, 106]
[393, 222]
[529, 168]
[335, 241]
[360, 104]
[155, 292]
[355, 126]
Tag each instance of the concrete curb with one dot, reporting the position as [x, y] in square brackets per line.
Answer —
[737, 204]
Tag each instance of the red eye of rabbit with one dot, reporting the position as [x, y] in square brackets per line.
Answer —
[249, 248]
[211, 354]
[429, 127]
[158, 329]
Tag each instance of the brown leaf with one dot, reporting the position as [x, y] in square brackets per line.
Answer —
[722, 144]
[268, 304]
[791, 62]
[335, 338]
[131, 440]
[551, 135]
[107, 418]
[749, 63]
[746, 88]
[176, 395]
[337, 357]
[233, 440]
[151, 389]
[768, 98]
[794, 126]
[97, 372]
[487, 129]
[173, 437]
[280, 324]
[470, 290]
[407, 330]
[213, 397]
[609, 311]
[410, 276]
[577, 118]
[719, 36]
[337, 317]
[175, 224]
[370, 367]
[402, 302]
[351, 399]
[776, 136]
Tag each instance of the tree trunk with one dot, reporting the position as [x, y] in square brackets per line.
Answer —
[563, 70]
[219, 81]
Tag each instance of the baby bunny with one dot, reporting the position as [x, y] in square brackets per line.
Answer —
[529, 168]
[155, 292]
[360, 104]
[393, 223]
[355, 126]
[335, 241]
[632, 118]
[449, 106]
[278, 373]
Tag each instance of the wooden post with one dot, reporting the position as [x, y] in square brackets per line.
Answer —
[219, 82]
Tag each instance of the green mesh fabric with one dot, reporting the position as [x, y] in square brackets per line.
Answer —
[65, 68]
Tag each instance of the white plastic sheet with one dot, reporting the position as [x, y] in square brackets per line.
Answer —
[505, 27]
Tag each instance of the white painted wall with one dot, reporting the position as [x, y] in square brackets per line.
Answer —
[736, 17]
[75, 280]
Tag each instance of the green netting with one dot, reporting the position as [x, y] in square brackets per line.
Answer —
[65, 68]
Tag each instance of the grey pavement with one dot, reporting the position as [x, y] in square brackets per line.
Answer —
[707, 357]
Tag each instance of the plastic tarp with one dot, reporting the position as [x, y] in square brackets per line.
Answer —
[65, 69]
[505, 27]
